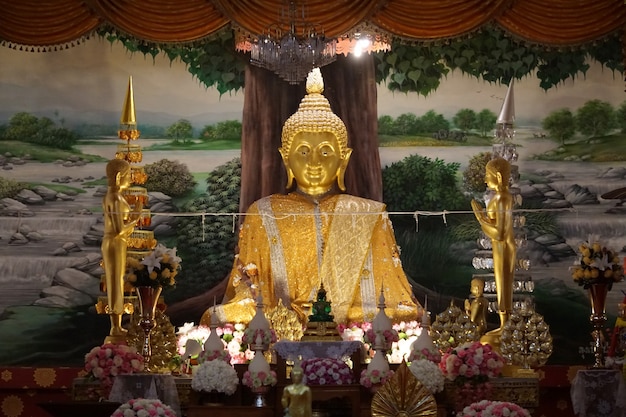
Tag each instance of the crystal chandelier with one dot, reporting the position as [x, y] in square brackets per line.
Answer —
[292, 54]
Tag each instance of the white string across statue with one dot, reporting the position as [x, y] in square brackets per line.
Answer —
[415, 214]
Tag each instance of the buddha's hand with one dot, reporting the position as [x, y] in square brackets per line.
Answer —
[479, 212]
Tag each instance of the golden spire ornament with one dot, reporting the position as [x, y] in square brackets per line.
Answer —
[128, 120]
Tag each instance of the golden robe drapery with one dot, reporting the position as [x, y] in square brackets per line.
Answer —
[289, 245]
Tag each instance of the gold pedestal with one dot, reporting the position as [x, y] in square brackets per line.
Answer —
[321, 331]
[494, 339]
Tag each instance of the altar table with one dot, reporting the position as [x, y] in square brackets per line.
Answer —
[289, 351]
[599, 393]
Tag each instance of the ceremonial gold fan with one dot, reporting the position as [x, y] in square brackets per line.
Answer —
[403, 395]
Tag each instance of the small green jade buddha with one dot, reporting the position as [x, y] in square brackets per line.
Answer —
[321, 325]
[321, 311]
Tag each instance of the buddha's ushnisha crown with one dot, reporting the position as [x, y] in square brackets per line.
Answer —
[314, 115]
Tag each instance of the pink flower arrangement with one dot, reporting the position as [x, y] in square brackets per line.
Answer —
[258, 379]
[106, 361]
[469, 366]
[486, 408]
[251, 336]
[326, 371]
[472, 361]
[374, 377]
[140, 407]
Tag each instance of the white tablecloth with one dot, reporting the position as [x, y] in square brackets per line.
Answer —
[307, 350]
[151, 386]
[599, 393]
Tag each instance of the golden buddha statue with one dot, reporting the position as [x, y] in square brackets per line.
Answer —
[297, 398]
[476, 308]
[289, 244]
[496, 222]
[119, 223]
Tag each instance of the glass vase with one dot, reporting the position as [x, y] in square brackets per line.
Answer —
[148, 298]
[259, 395]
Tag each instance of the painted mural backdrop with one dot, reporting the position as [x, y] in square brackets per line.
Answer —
[49, 234]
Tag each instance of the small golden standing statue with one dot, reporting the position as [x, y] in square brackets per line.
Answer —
[476, 308]
[119, 223]
[297, 398]
[497, 223]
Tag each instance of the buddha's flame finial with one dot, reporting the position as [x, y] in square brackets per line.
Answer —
[315, 82]
[507, 113]
[128, 111]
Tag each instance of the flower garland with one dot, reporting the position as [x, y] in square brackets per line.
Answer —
[429, 374]
[432, 355]
[486, 408]
[374, 377]
[258, 379]
[106, 361]
[141, 407]
[326, 371]
[158, 268]
[389, 337]
[252, 336]
[216, 375]
[596, 265]
[212, 355]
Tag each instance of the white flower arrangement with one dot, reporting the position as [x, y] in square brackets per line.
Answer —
[215, 375]
[429, 374]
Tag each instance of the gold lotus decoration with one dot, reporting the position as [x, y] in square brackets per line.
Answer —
[403, 395]
[285, 322]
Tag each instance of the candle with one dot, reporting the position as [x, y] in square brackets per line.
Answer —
[425, 314]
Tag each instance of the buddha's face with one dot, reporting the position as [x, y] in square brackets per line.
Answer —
[476, 288]
[296, 376]
[315, 161]
[491, 179]
[124, 179]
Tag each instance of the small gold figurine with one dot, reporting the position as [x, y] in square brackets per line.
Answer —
[119, 223]
[297, 398]
[496, 222]
[476, 308]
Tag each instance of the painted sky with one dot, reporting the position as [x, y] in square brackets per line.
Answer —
[88, 82]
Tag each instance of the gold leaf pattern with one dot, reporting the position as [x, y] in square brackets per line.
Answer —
[44, 377]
